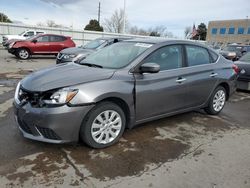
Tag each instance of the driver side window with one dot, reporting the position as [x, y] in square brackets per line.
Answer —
[168, 57]
[43, 39]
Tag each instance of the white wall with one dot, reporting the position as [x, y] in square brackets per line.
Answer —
[80, 37]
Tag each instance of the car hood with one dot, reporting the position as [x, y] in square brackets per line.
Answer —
[64, 75]
[76, 50]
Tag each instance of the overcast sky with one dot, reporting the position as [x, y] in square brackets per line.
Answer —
[174, 14]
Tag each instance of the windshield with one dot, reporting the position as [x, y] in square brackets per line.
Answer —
[117, 55]
[233, 48]
[31, 38]
[94, 44]
[246, 57]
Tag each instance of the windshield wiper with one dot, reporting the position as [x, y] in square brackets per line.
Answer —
[91, 65]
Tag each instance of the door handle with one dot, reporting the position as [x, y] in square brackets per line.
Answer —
[180, 80]
[213, 74]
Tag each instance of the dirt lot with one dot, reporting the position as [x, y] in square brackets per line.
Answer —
[188, 150]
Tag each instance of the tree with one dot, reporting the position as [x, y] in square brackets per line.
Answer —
[115, 23]
[50, 23]
[158, 31]
[201, 32]
[187, 31]
[93, 25]
[4, 18]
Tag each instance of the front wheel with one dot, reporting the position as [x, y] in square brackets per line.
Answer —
[217, 101]
[103, 126]
[23, 53]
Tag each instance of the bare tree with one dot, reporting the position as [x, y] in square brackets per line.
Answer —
[115, 23]
[50, 23]
[158, 31]
[187, 31]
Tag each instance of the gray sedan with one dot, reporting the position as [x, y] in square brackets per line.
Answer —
[120, 86]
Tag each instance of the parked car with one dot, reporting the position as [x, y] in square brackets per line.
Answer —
[22, 36]
[243, 81]
[234, 51]
[78, 53]
[45, 44]
[122, 85]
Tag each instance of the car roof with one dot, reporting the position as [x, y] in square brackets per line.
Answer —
[112, 38]
[46, 34]
[165, 40]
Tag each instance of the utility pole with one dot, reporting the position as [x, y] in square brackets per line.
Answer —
[99, 11]
[124, 17]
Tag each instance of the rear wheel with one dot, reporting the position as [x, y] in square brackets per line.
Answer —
[23, 53]
[103, 126]
[217, 101]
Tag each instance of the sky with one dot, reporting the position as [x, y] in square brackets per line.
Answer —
[175, 15]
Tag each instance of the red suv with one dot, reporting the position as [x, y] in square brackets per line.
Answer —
[45, 44]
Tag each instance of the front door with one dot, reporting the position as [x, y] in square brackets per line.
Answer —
[163, 92]
[41, 45]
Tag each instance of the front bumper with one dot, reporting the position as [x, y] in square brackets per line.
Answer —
[12, 50]
[53, 125]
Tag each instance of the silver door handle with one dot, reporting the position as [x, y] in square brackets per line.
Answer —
[213, 74]
[180, 80]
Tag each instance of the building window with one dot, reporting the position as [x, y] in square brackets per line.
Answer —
[222, 31]
[214, 31]
[231, 30]
[241, 30]
[248, 32]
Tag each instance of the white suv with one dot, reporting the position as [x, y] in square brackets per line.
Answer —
[22, 36]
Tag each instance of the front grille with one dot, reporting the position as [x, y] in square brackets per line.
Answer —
[24, 126]
[48, 133]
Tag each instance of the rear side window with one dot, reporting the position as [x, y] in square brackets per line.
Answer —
[56, 38]
[214, 56]
[168, 57]
[197, 55]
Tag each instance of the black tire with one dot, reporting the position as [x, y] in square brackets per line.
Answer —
[210, 109]
[86, 127]
[23, 53]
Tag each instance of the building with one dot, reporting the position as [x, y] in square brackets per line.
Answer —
[229, 31]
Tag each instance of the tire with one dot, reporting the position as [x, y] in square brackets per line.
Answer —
[23, 53]
[100, 135]
[217, 101]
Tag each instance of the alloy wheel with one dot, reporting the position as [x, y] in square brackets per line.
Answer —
[219, 100]
[106, 127]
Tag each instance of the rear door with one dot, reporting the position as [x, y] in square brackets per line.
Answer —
[201, 75]
[57, 43]
[162, 92]
[42, 45]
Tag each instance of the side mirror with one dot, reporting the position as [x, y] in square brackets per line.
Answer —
[25, 35]
[34, 41]
[149, 68]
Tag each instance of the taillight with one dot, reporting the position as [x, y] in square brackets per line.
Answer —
[236, 69]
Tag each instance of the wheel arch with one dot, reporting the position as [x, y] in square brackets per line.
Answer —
[226, 87]
[25, 47]
[123, 105]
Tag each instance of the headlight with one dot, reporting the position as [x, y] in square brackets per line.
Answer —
[232, 54]
[78, 57]
[68, 56]
[17, 93]
[11, 44]
[61, 96]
